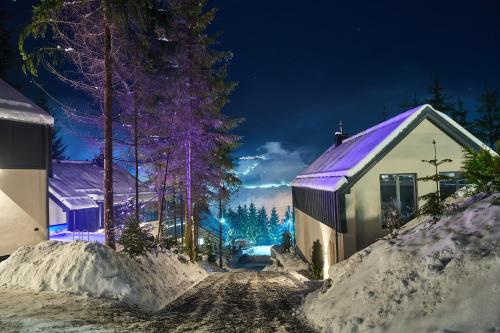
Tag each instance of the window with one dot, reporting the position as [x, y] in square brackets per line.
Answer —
[399, 191]
[449, 186]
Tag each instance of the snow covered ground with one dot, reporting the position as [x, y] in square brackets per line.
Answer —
[442, 277]
[92, 269]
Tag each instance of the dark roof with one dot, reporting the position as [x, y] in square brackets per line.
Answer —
[78, 184]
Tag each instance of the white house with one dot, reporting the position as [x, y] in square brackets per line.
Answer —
[342, 196]
[24, 163]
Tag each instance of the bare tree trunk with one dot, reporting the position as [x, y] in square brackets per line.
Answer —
[162, 200]
[175, 215]
[220, 226]
[136, 157]
[108, 133]
[188, 209]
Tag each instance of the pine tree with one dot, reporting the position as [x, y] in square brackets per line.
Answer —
[482, 170]
[433, 206]
[262, 227]
[438, 99]
[209, 249]
[410, 102]
[58, 147]
[459, 114]
[252, 231]
[136, 240]
[275, 228]
[488, 124]
[317, 261]
[5, 49]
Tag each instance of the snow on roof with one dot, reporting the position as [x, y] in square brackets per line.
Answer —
[17, 107]
[332, 169]
[78, 184]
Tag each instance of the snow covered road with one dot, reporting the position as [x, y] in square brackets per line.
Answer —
[240, 301]
[237, 302]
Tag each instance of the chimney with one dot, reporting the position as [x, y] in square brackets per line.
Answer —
[339, 135]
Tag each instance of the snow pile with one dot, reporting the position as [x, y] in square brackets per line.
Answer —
[286, 262]
[92, 269]
[443, 277]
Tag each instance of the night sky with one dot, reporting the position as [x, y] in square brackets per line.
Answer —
[304, 65]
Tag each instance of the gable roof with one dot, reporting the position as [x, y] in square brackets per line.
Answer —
[78, 184]
[358, 153]
[17, 107]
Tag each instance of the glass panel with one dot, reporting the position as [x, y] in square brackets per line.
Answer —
[388, 193]
[406, 196]
[449, 186]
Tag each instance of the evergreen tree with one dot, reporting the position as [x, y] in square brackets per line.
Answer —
[5, 49]
[58, 146]
[488, 124]
[459, 114]
[252, 231]
[136, 240]
[433, 206]
[438, 99]
[275, 228]
[410, 102]
[286, 242]
[482, 169]
[209, 249]
[241, 220]
[262, 227]
[317, 261]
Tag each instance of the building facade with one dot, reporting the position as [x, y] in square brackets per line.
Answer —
[342, 197]
[25, 131]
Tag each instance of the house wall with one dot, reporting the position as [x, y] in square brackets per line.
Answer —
[405, 157]
[23, 208]
[56, 214]
[362, 203]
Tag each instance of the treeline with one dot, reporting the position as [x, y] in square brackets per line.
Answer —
[485, 126]
[152, 70]
[255, 225]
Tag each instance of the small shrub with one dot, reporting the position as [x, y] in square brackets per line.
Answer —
[209, 250]
[136, 241]
[286, 242]
[168, 242]
[482, 169]
[392, 218]
[317, 261]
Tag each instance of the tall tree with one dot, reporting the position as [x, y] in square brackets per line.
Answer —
[5, 50]
[262, 227]
[203, 91]
[459, 114]
[488, 124]
[58, 147]
[438, 98]
[86, 36]
[275, 227]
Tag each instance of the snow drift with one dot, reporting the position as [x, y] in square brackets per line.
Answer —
[92, 269]
[433, 277]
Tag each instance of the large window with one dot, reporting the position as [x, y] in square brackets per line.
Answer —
[450, 185]
[398, 191]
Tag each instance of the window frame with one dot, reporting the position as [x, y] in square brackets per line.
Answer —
[398, 193]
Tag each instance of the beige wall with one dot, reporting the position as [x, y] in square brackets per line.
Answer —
[23, 208]
[56, 214]
[363, 206]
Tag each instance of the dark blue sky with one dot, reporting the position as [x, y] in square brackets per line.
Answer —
[304, 65]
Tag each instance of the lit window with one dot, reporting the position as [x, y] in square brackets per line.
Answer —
[399, 191]
[449, 186]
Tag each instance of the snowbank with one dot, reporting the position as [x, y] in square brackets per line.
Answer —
[442, 277]
[92, 269]
[286, 262]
